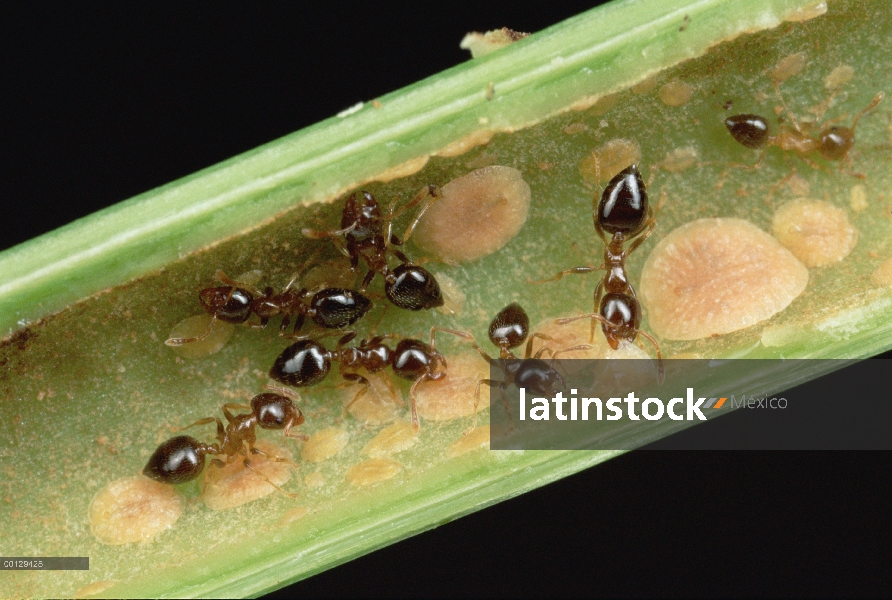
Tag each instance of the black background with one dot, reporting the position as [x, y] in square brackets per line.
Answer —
[102, 102]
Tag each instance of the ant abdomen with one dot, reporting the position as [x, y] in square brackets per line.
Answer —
[413, 288]
[749, 130]
[178, 460]
[301, 364]
[233, 305]
[510, 327]
[623, 205]
[334, 308]
[361, 216]
[275, 411]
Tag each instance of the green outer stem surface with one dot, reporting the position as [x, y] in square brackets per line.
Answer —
[604, 50]
[591, 55]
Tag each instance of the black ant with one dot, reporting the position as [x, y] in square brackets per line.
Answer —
[368, 234]
[508, 330]
[832, 142]
[331, 308]
[181, 459]
[308, 362]
[623, 213]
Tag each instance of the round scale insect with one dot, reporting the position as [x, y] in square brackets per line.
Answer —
[307, 362]
[182, 458]
[366, 233]
[235, 302]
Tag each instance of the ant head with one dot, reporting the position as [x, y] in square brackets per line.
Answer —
[336, 307]
[359, 208]
[303, 363]
[178, 460]
[510, 327]
[413, 359]
[623, 313]
[749, 130]
[623, 205]
[413, 288]
[537, 376]
[229, 304]
[836, 142]
[274, 411]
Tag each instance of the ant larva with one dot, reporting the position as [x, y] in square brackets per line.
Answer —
[368, 234]
[181, 458]
[308, 362]
[833, 142]
[330, 308]
[623, 213]
[508, 330]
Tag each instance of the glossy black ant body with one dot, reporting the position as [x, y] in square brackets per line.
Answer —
[833, 142]
[331, 308]
[308, 362]
[181, 458]
[508, 330]
[624, 214]
[367, 234]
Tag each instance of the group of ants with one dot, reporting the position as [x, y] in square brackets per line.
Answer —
[623, 219]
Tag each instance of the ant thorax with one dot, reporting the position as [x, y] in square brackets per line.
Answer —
[367, 235]
[362, 221]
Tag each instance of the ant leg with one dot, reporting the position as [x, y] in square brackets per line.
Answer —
[554, 354]
[777, 185]
[529, 348]
[272, 458]
[247, 464]
[490, 383]
[597, 300]
[215, 463]
[431, 192]
[400, 255]
[876, 100]
[346, 338]
[573, 271]
[291, 394]
[220, 276]
[354, 379]
[462, 334]
[291, 423]
[374, 328]
[646, 232]
[301, 269]
[318, 235]
[790, 114]
[482, 353]
[415, 425]
[298, 325]
[600, 230]
[366, 280]
[659, 355]
[594, 317]
[174, 342]
[262, 324]
[221, 431]
[233, 406]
